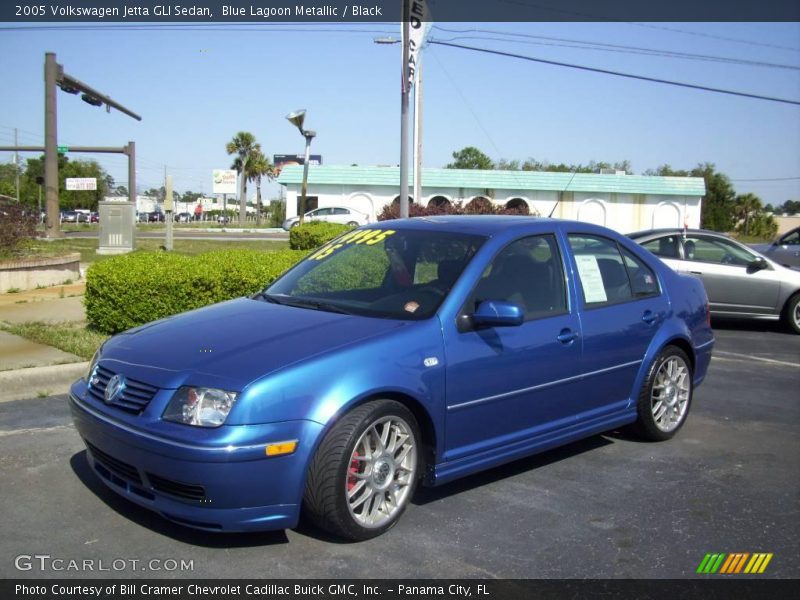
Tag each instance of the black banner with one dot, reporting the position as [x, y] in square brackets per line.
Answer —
[741, 588]
[381, 11]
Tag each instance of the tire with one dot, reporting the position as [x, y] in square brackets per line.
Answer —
[295, 224]
[791, 314]
[352, 224]
[355, 497]
[666, 396]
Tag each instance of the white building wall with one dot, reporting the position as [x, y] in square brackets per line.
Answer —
[622, 212]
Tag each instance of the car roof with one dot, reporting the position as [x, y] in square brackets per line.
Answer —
[673, 230]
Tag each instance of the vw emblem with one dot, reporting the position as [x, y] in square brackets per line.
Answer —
[114, 388]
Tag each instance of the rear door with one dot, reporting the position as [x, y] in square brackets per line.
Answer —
[622, 305]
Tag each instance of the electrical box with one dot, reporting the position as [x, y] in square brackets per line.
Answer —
[117, 227]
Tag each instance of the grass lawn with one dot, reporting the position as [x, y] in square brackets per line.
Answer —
[69, 337]
[88, 247]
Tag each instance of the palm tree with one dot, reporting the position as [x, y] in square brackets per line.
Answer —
[745, 205]
[243, 145]
[258, 167]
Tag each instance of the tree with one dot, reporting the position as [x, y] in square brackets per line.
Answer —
[8, 175]
[718, 205]
[745, 206]
[258, 167]
[121, 190]
[470, 158]
[243, 145]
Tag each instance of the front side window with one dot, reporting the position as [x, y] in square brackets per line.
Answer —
[378, 272]
[715, 250]
[665, 247]
[791, 239]
[527, 272]
[602, 272]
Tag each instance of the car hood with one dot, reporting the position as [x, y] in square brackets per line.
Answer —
[233, 343]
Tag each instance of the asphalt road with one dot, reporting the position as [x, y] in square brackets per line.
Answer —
[609, 506]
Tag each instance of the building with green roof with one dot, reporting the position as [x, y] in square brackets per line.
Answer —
[617, 200]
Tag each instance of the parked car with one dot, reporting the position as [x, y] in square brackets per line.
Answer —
[183, 217]
[155, 217]
[785, 250]
[94, 217]
[408, 351]
[330, 214]
[74, 216]
[740, 282]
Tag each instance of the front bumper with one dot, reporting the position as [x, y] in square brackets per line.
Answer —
[231, 487]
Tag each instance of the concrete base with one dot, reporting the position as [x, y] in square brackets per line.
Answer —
[30, 273]
[113, 250]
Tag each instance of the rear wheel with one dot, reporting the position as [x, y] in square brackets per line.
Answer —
[791, 313]
[352, 224]
[666, 396]
[365, 471]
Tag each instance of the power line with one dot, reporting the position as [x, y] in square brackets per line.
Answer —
[770, 179]
[716, 37]
[617, 73]
[605, 47]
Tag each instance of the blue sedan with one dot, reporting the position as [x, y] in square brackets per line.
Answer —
[410, 351]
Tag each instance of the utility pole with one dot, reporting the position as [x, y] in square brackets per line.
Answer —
[16, 163]
[168, 209]
[52, 228]
[404, 113]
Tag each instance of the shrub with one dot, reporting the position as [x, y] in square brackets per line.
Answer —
[17, 226]
[309, 236]
[136, 288]
[477, 206]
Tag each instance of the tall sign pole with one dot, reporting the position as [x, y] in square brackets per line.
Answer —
[418, 136]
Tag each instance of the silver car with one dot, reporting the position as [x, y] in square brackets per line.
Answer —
[739, 281]
[785, 250]
[330, 214]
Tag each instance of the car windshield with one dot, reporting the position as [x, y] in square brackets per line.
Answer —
[382, 273]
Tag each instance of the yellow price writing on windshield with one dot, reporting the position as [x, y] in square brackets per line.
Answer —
[368, 237]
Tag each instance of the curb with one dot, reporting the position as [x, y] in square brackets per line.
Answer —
[21, 384]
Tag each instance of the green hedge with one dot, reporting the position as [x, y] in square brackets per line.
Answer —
[312, 235]
[140, 287]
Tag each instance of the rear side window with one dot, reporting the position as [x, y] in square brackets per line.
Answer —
[665, 247]
[609, 274]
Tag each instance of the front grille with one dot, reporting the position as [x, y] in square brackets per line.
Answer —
[134, 398]
[175, 488]
[114, 465]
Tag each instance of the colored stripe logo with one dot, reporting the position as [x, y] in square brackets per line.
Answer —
[737, 562]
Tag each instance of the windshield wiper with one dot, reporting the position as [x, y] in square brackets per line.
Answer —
[316, 305]
[300, 302]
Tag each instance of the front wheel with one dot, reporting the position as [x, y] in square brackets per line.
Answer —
[365, 471]
[665, 397]
[791, 314]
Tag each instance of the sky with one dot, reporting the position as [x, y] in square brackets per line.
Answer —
[195, 87]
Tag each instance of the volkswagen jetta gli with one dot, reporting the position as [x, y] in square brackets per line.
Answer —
[409, 351]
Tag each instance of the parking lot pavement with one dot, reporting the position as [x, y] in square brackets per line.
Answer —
[609, 506]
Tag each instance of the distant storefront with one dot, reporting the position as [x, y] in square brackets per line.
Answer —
[622, 202]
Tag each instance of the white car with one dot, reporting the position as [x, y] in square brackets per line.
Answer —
[330, 214]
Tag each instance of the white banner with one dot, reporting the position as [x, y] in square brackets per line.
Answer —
[81, 184]
[224, 181]
[419, 24]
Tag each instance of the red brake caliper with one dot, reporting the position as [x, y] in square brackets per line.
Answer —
[351, 477]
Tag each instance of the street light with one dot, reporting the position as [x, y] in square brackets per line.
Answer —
[296, 118]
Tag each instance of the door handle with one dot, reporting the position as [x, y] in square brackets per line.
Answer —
[696, 272]
[650, 317]
[567, 336]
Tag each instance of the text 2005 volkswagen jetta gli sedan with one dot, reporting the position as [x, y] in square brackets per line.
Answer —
[415, 350]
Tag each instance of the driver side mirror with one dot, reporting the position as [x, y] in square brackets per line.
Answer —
[498, 313]
[757, 265]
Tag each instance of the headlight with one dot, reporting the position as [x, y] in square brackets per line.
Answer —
[203, 407]
[92, 364]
